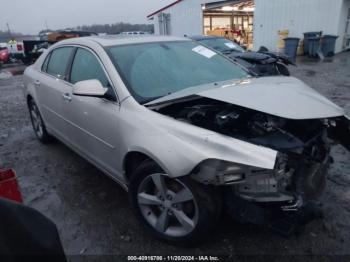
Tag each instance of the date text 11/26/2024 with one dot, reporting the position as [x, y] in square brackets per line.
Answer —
[173, 258]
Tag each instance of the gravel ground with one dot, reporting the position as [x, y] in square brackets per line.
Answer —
[94, 217]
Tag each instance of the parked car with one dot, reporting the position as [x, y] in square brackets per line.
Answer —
[188, 132]
[134, 33]
[11, 52]
[24, 51]
[261, 63]
[4, 55]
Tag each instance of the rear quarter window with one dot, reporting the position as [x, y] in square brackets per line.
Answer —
[45, 64]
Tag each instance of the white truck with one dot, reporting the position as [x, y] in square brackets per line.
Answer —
[16, 49]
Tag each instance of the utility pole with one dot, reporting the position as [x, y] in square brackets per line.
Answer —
[8, 29]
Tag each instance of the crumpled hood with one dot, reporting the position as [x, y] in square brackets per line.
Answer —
[285, 97]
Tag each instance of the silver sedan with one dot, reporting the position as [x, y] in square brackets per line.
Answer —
[188, 132]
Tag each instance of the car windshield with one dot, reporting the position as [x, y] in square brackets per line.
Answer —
[222, 45]
[154, 70]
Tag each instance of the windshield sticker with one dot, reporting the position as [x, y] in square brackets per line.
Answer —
[230, 45]
[204, 51]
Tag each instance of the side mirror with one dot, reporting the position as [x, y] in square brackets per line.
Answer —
[92, 88]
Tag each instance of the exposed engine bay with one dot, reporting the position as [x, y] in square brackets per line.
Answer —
[304, 145]
[252, 126]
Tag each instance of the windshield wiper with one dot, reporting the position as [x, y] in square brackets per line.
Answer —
[148, 100]
[227, 51]
[187, 92]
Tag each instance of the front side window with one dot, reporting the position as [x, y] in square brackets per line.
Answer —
[86, 67]
[154, 70]
[59, 62]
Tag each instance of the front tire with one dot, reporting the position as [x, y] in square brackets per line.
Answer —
[38, 123]
[176, 210]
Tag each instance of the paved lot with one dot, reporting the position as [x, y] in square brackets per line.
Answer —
[93, 214]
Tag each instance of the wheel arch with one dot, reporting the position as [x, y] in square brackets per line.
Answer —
[134, 158]
[30, 96]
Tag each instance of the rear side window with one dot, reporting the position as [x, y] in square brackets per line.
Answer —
[58, 63]
[86, 67]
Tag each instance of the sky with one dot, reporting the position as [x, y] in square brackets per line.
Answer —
[30, 16]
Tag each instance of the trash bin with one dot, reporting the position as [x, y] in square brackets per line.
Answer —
[291, 47]
[328, 45]
[314, 46]
[307, 36]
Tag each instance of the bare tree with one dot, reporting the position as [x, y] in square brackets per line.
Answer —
[116, 28]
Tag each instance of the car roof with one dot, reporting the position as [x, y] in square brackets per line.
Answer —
[203, 37]
[112, 40]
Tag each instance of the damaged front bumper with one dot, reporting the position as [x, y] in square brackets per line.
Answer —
[281, 202]
[283, 219]
[282, 198]
[285, 196]
[288, 184]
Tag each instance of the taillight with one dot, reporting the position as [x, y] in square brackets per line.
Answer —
[19, 47]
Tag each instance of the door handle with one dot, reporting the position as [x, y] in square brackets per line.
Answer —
[67, 97]
[37, 82]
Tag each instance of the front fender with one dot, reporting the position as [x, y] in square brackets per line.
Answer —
[178, 147]
[178, 150]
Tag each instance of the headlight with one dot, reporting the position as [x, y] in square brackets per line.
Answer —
[218, 172]
[281, 164]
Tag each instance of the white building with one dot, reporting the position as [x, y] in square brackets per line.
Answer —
[259, 20]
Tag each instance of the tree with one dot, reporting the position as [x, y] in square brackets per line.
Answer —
[116, 28]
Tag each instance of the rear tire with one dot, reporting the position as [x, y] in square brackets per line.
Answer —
[38, 123]
[185, 218]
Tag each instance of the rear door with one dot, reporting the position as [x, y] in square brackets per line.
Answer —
[92, 121]
[52, 89]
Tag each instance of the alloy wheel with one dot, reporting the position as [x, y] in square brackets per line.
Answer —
[168, 205]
